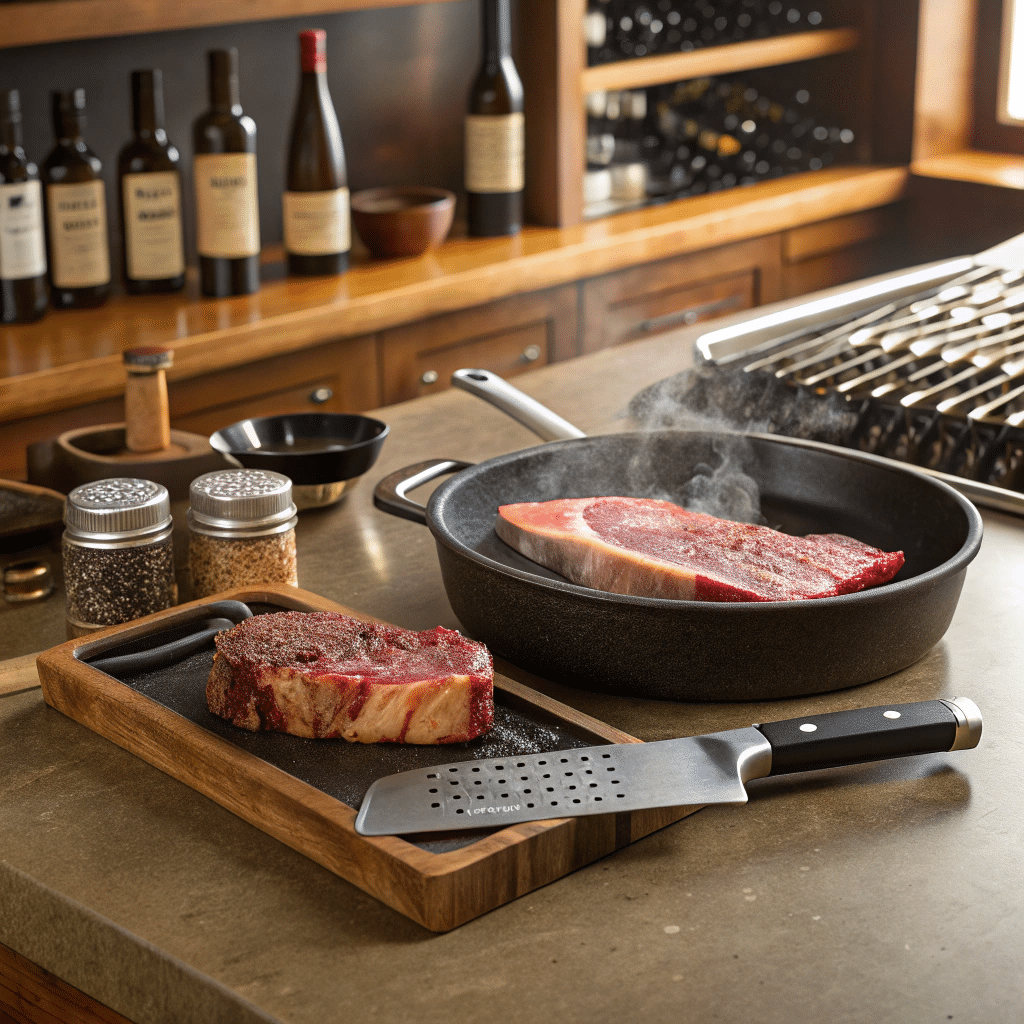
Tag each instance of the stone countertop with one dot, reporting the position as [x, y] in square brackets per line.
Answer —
[884, 893]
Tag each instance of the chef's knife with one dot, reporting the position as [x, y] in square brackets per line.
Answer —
[691, 771]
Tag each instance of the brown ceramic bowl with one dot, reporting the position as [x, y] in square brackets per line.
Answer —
[403, 221]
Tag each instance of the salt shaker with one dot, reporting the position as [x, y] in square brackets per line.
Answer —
[241, 530]
[118, 559]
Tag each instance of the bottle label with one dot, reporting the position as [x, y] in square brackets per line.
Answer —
[79, 253]
[153, 244]
[227, 212]
[494, 153]
[316, 223]
[22, 245]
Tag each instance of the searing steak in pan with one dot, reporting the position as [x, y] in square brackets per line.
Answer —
[693, 650]
[654, 548]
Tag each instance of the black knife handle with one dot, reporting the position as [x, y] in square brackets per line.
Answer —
[872, 734]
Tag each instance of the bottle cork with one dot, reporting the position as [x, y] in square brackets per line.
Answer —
[146, 414]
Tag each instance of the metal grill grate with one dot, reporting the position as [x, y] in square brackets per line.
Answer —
[934, 378]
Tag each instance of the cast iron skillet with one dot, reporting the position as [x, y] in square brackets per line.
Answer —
[692, 650]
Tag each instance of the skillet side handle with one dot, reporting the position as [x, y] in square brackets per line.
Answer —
[390, 494]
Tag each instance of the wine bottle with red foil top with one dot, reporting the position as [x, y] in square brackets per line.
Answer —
[23, 294]
[150, 194]
[316, 212]
[224, 172]
[495, 136]
[76, 210]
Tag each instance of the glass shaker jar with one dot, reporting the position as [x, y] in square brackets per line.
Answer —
[241, 530]
[118, 559]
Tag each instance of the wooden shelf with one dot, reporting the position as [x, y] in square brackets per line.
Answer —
[50, 21]
[1001, 170]
[718, 60]
[79, 353]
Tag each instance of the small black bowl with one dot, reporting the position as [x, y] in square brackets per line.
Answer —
[320, 452]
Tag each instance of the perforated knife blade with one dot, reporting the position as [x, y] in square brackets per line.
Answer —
[691, 771]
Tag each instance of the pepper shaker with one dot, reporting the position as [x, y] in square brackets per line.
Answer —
[118, 558]
[241, 530]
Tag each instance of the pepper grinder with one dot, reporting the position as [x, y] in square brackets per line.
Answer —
[143, 446]
[146, 414]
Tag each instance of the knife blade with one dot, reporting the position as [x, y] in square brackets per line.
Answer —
[689, 771]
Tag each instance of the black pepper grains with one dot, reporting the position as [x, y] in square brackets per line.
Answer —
[118, 558]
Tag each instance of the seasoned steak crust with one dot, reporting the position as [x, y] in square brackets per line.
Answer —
[651, 548]
[325, 675]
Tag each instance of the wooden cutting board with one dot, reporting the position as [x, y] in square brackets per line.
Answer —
[439, 881]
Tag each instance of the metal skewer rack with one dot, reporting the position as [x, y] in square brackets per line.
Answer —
[927, 368]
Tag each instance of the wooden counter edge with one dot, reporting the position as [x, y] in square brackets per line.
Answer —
[555, 257]
[17, 674]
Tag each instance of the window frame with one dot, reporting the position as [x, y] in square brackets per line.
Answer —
[989, 131]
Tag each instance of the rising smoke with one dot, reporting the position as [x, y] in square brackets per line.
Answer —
[722, 402]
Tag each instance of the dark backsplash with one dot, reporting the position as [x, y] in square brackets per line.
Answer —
[398, 77]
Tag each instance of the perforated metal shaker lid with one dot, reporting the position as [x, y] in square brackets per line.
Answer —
[241, 498]
[120, 506]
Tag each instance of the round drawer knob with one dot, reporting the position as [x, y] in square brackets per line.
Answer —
[321, 395]
[430, 377]
[531, 353]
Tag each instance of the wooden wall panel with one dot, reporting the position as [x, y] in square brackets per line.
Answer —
[550, 58]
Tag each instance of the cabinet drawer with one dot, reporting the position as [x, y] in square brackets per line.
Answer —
[648, 300]
[322, 395]
[653, 314]
[843, 249]
[506, 337]
[294, 382]
[506, 354]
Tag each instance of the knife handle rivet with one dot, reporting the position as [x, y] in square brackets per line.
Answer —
[891, 714]
[808, 727]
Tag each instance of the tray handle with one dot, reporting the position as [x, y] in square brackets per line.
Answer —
[390, 494]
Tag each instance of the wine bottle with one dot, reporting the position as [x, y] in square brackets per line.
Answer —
[150, 194]
[23, 294]
[495, 132]
[224, 169]
[316, 215]
[76, 210]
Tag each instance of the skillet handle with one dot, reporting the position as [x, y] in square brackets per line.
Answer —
[547, 425]
[390, 494]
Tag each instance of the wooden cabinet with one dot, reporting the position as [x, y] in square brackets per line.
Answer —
[506, 337]
[643, 301]
[843, 249]
[340, 376]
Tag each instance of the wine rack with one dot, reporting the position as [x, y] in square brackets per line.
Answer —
[663, 121]
[622, 29]
[837, 54]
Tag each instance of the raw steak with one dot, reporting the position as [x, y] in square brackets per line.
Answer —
[324, 675]
[656, 549]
